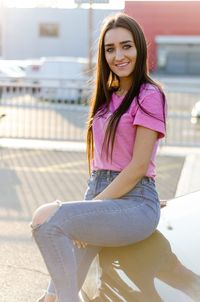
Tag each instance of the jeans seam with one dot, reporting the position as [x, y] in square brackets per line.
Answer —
[57, 252]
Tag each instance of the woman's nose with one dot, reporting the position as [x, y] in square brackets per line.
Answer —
[119, 54]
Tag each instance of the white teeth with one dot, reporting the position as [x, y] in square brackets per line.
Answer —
[121, 65]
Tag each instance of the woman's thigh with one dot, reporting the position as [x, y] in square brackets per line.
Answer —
[107, 223]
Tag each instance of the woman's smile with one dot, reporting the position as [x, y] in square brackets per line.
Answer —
[120, 52]
[122, 65]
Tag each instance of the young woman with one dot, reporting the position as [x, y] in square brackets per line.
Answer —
[121, 206]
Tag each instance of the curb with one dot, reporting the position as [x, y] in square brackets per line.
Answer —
[42, 145]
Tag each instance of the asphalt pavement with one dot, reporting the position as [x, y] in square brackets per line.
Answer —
[31, 177]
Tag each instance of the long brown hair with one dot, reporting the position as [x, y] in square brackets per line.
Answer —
[101, 95]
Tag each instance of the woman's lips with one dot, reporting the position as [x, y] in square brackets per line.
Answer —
[122, 64]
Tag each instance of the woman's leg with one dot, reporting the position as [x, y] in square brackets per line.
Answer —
[46, 297]
[99, 223]
[84, 259]
[50, 293]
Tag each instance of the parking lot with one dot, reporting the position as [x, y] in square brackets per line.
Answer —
[28, 178]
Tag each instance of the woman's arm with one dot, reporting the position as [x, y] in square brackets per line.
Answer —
[136, 169]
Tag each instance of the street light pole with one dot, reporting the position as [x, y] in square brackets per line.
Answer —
[90, 40]
[90, 28]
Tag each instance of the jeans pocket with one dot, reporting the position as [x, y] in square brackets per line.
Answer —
[90, 190]
[89, 194]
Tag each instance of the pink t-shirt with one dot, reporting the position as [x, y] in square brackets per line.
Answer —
[151, 100]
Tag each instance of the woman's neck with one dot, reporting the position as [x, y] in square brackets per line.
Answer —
[125, 85]
[121, 91]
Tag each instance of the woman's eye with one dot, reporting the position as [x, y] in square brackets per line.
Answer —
[109, 49]
[127, 46]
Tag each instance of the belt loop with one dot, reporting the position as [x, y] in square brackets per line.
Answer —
[108, 175]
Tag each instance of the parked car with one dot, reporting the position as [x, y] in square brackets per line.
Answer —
[11, 72]
[163, 268]
[59, 78]
[195, 114]
[67, 68]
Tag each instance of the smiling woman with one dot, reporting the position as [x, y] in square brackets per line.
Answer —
[121, 204]
[121, 53]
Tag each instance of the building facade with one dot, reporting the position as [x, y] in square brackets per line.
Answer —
[37, 32]
[172, 29]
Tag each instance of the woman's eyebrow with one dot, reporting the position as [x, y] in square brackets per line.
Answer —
[127, 41]
[123, 42]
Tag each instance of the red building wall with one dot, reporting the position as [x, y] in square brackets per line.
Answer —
[164, 18]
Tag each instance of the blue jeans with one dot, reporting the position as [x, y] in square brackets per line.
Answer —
[106, 223]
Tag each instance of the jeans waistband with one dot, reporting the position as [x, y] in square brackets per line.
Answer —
[109, 173]
[105, 173]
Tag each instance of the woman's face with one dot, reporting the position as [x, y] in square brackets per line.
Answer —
[120, 51]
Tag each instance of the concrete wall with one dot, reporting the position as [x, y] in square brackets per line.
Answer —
[21, 37]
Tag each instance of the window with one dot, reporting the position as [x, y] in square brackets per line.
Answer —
[49, 30]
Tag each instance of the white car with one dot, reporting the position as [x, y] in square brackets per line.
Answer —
[162, 268]
[195, 114]
[57, 68]
[11, 72]
[59, 78]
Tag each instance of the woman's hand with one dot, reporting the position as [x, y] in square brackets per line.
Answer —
[80, 244]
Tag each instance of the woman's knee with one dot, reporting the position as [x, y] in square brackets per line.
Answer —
[44, 212]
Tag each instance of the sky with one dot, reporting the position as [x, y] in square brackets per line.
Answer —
[113, 4]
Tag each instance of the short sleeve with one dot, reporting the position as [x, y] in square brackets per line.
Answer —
[153, 115]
